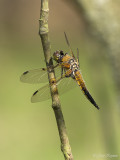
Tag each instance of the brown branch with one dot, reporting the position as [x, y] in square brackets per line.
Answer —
[43, 32]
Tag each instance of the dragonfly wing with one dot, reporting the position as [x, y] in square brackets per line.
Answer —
[38, 75]
[41, 94]
[35, 76]
[65, 85]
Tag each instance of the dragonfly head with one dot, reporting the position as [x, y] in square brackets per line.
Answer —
[58, 55]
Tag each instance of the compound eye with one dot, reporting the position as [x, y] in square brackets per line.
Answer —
[56, 55]
[61, 53]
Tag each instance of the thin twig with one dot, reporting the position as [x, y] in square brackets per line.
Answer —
[43, 32]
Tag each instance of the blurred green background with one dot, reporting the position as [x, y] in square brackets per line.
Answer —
[29, 131]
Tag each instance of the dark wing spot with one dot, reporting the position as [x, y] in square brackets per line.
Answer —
[25, 72]
[43, 69]
[35, 93]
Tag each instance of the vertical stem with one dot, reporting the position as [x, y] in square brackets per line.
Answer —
[43, 32]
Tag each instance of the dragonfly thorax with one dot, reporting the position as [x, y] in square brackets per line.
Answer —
[73, 65]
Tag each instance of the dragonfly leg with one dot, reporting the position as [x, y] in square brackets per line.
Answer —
[58, 80]
[65, 70]
[52, 67]
[56, 65]
[61, 71]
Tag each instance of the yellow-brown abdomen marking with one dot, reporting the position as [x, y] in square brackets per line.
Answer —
[79, 79]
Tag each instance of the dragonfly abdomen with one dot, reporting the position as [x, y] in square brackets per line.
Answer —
[79, 79]
[81, 83]
[87, 94]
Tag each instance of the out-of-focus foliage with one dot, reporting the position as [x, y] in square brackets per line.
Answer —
[103, 19]
[29, 131]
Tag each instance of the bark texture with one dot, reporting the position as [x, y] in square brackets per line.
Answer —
[43, 32]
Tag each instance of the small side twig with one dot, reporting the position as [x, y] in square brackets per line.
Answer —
[43, 32]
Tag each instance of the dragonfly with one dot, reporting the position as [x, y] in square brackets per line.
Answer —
[70, 75]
